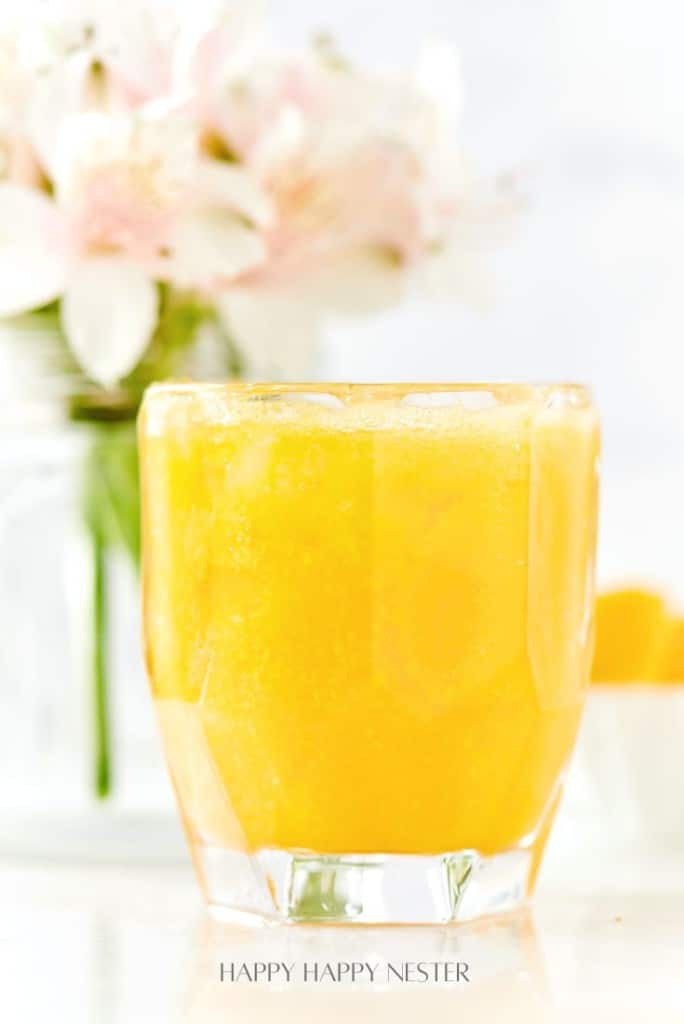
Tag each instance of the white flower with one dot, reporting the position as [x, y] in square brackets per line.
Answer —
[278, 326]
[369, 181]
[109, 311]
[132, 206]
[32, 268]
[177, 145]
[149, 49]
[18, 162]
[14, 85]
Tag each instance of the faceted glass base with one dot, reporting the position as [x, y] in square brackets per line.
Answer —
[300, 886]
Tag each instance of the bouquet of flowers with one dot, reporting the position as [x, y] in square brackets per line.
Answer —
[180, 196]
[165, 167]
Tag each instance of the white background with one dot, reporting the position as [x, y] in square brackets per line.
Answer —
[585, 100]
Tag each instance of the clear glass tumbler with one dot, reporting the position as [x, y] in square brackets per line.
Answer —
[368, 617]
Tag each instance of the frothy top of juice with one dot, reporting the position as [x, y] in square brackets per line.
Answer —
[352, 408]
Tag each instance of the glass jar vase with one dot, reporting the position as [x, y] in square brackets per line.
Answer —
[82, 770]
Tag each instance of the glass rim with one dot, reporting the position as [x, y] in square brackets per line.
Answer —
[577, 393]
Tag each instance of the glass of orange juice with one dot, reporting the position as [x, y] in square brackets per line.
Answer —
[368, 621]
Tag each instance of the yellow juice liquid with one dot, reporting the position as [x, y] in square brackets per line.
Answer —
[368, 625]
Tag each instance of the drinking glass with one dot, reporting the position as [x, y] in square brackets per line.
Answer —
[368, 617]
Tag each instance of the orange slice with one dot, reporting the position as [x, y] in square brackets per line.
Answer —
[632, 631]
[672, 664]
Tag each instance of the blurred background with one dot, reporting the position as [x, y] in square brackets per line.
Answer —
[583, 100]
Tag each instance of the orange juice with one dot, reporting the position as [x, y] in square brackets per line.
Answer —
[368, 610]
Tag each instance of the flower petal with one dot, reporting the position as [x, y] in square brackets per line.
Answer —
[223, 184]
[33, 265]
[214, 38]
[109, 312]
[357, 282]
[210, 244]
[57, 93]
[278, 325]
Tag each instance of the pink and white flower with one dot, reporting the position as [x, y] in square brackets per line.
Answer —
[146, 142]
[134, 203]
[368, 185]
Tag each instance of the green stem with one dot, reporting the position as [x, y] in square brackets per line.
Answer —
[110, 504]
[102, 760]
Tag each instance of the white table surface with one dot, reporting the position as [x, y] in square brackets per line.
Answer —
[112, 944]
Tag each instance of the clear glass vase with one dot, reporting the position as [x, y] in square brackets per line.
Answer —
[82, 770]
